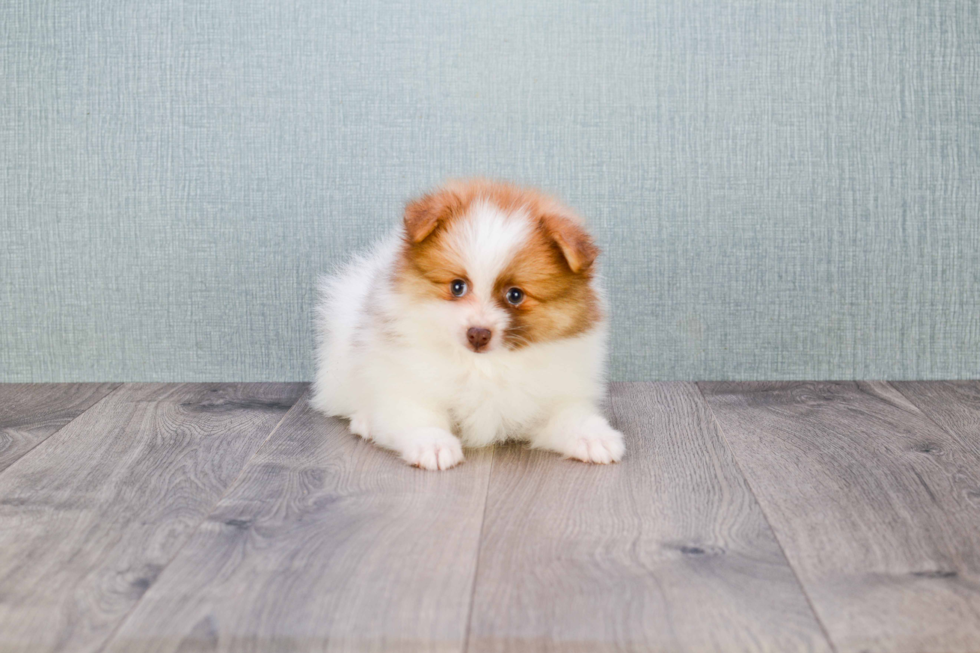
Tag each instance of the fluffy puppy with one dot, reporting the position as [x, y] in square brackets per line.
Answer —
[479, 320]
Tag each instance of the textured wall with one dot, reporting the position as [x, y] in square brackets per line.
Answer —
[783, 189]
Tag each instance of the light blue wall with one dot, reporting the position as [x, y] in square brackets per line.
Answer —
[783, 189]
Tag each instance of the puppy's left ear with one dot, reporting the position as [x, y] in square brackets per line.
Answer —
[575, 243]
[424, 214]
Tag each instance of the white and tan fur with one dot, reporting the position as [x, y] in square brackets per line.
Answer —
[394, 355]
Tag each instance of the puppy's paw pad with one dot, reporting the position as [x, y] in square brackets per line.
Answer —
[602, 447]
[434, 451]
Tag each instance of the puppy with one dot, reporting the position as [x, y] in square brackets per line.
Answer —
[479, 320]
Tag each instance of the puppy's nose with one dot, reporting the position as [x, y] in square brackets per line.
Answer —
[478, 337]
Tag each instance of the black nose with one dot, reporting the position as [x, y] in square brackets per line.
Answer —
[478, 337]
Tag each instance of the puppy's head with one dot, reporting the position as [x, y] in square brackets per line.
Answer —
[503, 267]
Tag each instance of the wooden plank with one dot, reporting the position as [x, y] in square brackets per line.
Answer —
[889, 394]
[92, 515]
[954, 405]
[667, 550]
[30, 413]
[872, 504]
[327, 543]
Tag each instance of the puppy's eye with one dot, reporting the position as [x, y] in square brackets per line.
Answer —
[457, 287]
[515, 296]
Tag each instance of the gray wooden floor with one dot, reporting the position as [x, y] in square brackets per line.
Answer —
[746, 516]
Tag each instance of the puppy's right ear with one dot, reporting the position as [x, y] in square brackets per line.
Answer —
[575, 243]
[424, 214]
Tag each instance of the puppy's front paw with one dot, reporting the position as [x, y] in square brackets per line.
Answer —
[431, 448]
[595, 442]
[359, 425]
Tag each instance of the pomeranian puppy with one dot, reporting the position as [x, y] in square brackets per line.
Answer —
[479, 320]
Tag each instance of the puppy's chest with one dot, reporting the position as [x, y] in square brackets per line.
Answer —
[489, 408]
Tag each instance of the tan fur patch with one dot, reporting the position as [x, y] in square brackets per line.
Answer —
[554, 268]
[558, 302]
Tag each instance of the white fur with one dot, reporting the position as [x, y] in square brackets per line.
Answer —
[401, 371]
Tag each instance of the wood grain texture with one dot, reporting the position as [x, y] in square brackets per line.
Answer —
[29, 413]
[327, 543]
[875, 506]
[954, 405]
[666, 551]
[90, 518]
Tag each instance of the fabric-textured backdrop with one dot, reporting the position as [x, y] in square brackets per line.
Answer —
[783, 189]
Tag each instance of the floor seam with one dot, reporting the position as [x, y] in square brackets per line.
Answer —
[479, 551]
[775, 534]
[193, 531]
[948, 431]
[62, 428]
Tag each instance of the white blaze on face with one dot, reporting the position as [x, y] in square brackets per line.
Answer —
[486, 240]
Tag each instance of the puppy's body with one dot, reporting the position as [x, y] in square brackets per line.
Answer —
[413, 364]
